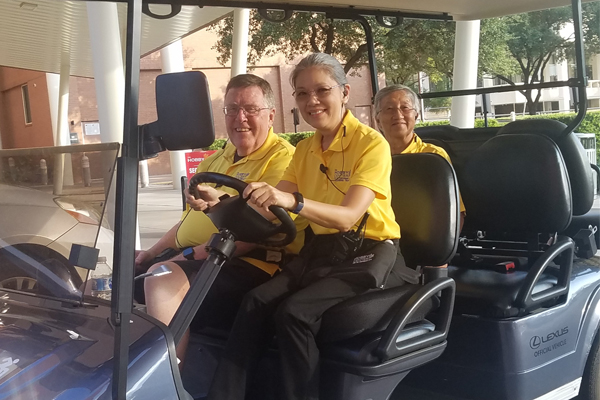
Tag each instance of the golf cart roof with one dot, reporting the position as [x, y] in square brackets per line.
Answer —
[32, 38]
[457, 9]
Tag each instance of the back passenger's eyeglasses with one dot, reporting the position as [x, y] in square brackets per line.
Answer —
[393, 110]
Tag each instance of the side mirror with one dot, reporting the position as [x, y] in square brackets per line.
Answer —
[185, 119]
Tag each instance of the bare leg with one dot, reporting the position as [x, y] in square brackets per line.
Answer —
[164, 295]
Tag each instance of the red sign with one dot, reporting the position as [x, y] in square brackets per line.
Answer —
[193, 158]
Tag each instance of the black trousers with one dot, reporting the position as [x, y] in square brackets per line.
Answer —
[291, 305]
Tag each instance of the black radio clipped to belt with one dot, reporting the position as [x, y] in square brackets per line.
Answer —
[348, 243]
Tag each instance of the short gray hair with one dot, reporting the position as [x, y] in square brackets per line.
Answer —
[250, 80]
[324, 61]
[414, 99]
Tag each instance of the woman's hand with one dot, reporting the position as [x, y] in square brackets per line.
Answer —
[263, 195]
[208, 197]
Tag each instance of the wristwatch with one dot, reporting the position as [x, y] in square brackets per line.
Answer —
[188, 253]
[299, 202]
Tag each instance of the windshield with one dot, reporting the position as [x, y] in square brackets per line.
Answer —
[52, 198]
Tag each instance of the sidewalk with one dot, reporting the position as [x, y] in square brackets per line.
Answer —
[159, 208]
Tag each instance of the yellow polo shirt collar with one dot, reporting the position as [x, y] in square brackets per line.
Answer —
[342, 137]
[417, 145]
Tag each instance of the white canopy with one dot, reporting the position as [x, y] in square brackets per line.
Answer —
[34, 33]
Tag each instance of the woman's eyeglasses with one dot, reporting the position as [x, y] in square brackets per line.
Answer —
[321, 92]
[232, 111]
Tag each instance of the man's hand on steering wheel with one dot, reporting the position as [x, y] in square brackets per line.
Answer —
[264, 195]
[207, 197]
[242, 219]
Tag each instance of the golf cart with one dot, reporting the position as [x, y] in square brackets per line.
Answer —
[526, 332]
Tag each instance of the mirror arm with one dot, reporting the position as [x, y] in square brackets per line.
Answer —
[150, 141]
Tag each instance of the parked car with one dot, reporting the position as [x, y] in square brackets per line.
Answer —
[39, 227]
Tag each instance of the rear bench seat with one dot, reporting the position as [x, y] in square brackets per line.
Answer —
[517, 182]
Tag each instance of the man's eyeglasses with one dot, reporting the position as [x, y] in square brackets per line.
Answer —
[405, 110]
[232, 111]
[321, 92]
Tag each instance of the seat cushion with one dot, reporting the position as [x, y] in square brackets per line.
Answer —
[369, 313]
[360, 350]
[490, 293]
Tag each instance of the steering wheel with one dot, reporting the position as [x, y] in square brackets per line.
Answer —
[244, 222]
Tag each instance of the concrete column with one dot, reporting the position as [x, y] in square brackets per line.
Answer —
[466, 57]
[108, 68]
[144, 176]
[171, 58]
[596, 67]
[564, 93]
[62, 124]
[58, 98]
[109, 80]
[53, 82]
[239, 48]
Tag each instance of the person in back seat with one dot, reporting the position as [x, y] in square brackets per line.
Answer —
[396, 113]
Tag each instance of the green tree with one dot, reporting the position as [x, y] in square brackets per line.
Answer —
[516, 45]
[303, 32]
[534, 39]
[418, 46]
[428, 46]
[414, 46]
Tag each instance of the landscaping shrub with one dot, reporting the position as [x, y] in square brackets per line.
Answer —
[590, 124]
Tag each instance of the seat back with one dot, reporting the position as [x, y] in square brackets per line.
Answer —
[460, 144]
[573, 153]
[425, 201]
[517, 183]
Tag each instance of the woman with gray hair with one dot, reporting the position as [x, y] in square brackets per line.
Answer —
[338, 180]
[396, 111]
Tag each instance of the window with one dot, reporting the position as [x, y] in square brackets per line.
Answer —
[91, 128]
[26, 104]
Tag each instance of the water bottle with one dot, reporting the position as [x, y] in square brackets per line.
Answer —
[102, 279]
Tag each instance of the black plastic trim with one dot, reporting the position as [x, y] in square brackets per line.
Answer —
[564, 248]
[394, 366]
[388, 348]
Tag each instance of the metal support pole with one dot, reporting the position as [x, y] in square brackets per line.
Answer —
[484, 109]
[126, 208]
[581, 101]
[371, 53]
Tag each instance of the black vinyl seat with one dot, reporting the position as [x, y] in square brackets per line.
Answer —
[572, 151]
[383, 334]
[459, 143]
[516, 186]
[370, 342]
[581, 177]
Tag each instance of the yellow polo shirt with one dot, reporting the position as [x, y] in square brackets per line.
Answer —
[358, 155]
[266, 164]
[417, 145]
